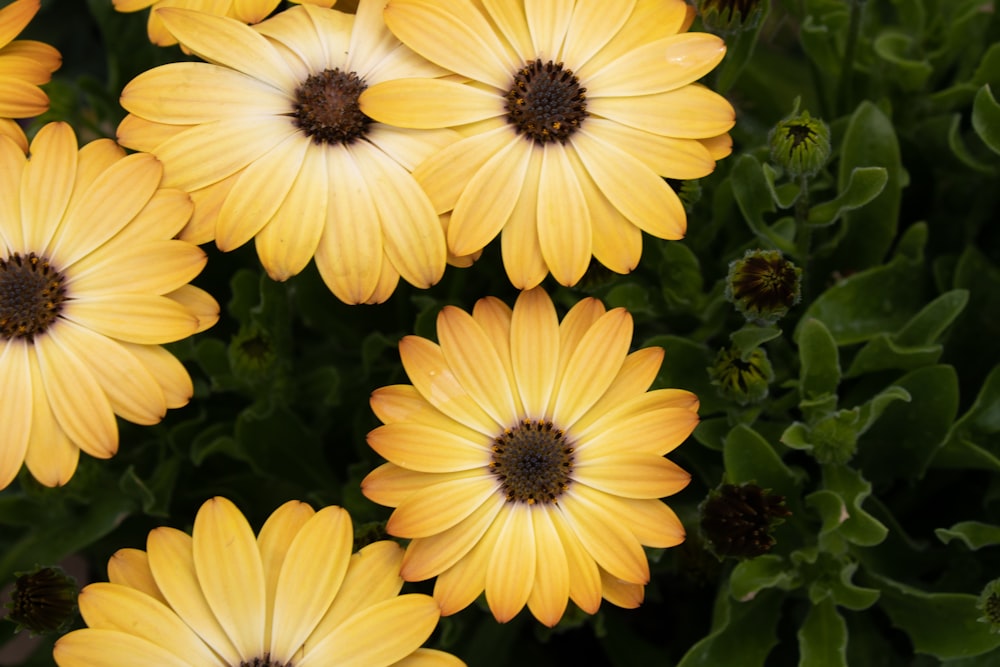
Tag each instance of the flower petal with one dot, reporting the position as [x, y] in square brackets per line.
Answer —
[548, 21]
[651, 520]
[389, 484]
[631, 475]
[584, 575]
[510, 19]
[550, 592]
[170, 373]
[564, 227]
[437, 507]
[519, 244]
[136, 318]
[612, 545]
[495, 317]
[636, 375]
[666, 64]
[16, 387]
[130, 567]
[430, 103]
[656, 432]
[592, 26]
[15, 17]
[458, 586]
[406, 445]
[21, 99]
[377, 636]
[197, 302]
[51, 170]
[667, 156]
[621, 593]
[273, 542]
[691, 112]
[534, 349]
[510, 575]
[428, 657]
[445, 174]
[111, 648]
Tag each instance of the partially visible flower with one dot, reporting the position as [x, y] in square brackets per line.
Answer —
[742, 380]
[737, 521]
[989, 604]
[763, 285]
[268, 138]
[247, 11]
[572, 114]
[293, 596]
[43, 600]
[527, 458]
[800, 144]
[24, 66]
[92, 283]
[730, 15]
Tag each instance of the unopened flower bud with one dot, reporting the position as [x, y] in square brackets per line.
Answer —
[730, 15]
[742, 380]
[989, 604]
[800, 144]
[43, 600]
[763, 285]
[737, 521]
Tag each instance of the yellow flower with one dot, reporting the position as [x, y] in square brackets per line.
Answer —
[268, 139]
[527, 458]
[247, 11]
[572, 111]
[24, 66]
[91, 284]
[294, 596]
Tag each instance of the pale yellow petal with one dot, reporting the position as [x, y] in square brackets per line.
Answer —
[564, 227]
[550, 592]
[657, 431]
[20, 99]
[631, 475]
[302, 45]
[190, 93]
[430, 103]
[197, 302]
[427, 449]
[534, 349]
[691, 112]
[411, 232]
[398, 402]
[47, 183]
[230, 43]
[437, 507]
[370, 40]
[135, 318]
[666, 64]
[273, 541]
[171, 560]
[310, 578]
[427, 657]
[52, 457]
[458, 586]
[621, 593]
[156, 267]
[636, 375]
[548, 21]
[610, 543]
[289, 240]
[79, 404]
[494, 316]
[667, 156]
[628, 398]
[519, 244]
[409, 148]
[445, 174]
[510, 574]
[130, 567]
[16, 408]
[471, 48]
[378, 635]
[145, 135]
[12, 161]
[513, 24]
[107, 606]
[718, 147]
[111, 648]
[592, 26]
[10, 129]
[170, 373]
[650, 20]
[431, 374]
[651, 520]
[252, 11]
[584, 575]
[389, 484]
[633, 188]
[231, 575]
[15, 17]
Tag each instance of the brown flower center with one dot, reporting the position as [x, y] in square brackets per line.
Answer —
[31, 296]
[546, 102]
[533, 461]
[263, 662]
[327, 110]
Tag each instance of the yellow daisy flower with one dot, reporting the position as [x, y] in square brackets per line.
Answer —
[573, 112]
[293, 596]
[527, 458]
[247, 11]
[268, 139]
[24, 66]
[92, 282]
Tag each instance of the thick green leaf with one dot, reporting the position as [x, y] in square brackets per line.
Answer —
[750, 337]
[974, 534]
[979, 424]
[986, 118]
[681, 277]
[839, 506]
[902, 443]
[879, 300]
[749, 577]
[748, 457]
[897, 50]
[870, 141]
[754, 200]
[743, 633]
[819, 359]
[783, 195]
[863, 185]
[873, 409]
[943, 625]
[956, 143]
[823, 637]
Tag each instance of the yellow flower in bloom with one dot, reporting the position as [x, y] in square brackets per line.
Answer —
[294, 596]
[92, 282]
[24, 66]
[573, 111]
[247, 11]
[268, 138]
[527, 458]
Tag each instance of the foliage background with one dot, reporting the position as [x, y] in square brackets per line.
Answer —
[892, 352]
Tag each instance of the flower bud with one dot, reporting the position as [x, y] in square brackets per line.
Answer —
[989, 604]
[737, 521]
[763, 285]
[739, 380]
[730, 15]
[800, 144]
[43, 600]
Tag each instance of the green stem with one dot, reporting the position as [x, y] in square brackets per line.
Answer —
[850, 49]
[803, 236]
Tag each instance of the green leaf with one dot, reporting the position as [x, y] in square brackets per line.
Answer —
[839, 506]
[748, 457]
[750, 577]
[902, 443]
[878, 300]
[870, 141]
[753, 198]
[974, 534]
[823, 637]
[680, 277]
[873, 409]
[980, 421]
[958, 148]
[783, 195]
[943, 625]
[631, 296]
[743, 633]
[986, 118]
[896, 49]
[819, 359]
[750, 337]
[863, 185]
[685, 366]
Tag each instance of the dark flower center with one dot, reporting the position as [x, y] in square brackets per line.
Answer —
[31, 296]
[546, 102]
[768, 282]
[264, 662]
[327, 110]
[44, 600]
[533, 462]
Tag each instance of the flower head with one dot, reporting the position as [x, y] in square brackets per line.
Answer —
[43, 600]
[268, 138]
[247, 11]
[989, 604]
[744, 380]
[737, 521]
[763, 285]
[800, 144]
[24, 66]
[527, 458]
[730, 15]
[572, 112]
[293, 596]
[92, 282]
